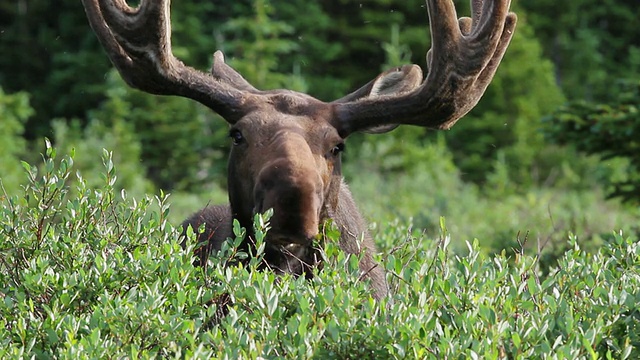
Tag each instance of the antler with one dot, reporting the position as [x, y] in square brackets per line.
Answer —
[138, 42]
[463, 58]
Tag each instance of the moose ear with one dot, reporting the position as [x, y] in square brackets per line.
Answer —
[392, 82]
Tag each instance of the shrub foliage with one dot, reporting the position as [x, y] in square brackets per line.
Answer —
[97, 274]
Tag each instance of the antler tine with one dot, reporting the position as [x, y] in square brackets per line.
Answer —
[493, 24]
[115, 52]
[444, 23]
[490, 69]
[137, 27]
[224, 72]
[473, 41]
[463, 58]
[138, 43]
[476, 10]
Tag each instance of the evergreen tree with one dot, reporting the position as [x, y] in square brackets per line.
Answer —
[49, 51]
[591, 42]
[610, 130]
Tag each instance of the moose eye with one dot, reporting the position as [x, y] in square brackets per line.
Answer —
[336, 150]
[236, 136]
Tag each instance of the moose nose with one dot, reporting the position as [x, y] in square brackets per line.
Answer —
[295, 196]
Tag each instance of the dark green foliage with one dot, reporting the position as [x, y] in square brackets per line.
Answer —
[256, 43]
[504, 126]
[591, 42]
[46, 48]
[610, 130]
[356, 33]
[50, 51]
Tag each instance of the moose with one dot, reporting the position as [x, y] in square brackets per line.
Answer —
[286, 146]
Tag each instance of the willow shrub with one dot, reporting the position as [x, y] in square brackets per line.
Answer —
[102, 275]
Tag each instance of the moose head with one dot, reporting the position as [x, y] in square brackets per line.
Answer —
[286, 145]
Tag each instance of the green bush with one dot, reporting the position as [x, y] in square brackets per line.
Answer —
[418, 180]
[88, 144]
[14, 112]
[102, 275]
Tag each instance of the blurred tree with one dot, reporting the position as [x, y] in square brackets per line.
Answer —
[591, 42]
[609, 130]
[88, 144]
[49, 51]
[504, 126]
[356, 34]
[255, 44]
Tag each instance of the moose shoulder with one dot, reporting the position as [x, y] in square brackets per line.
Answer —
[286, 146]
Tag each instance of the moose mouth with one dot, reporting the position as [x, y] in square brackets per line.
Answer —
[289, 241]
[286, 229]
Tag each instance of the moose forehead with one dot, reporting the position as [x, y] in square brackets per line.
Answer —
[264, 126]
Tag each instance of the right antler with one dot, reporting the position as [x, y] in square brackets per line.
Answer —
[463, 58]
[138, 42]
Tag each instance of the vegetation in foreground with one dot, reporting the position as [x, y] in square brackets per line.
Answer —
[86, 269]
[98, 274]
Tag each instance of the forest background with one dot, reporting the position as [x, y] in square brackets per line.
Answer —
[553, 147]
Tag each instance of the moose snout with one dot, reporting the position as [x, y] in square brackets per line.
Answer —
[295, 195]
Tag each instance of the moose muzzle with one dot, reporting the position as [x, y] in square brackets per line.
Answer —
[294, 190]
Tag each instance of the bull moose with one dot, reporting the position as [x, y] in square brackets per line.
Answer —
[286, 146]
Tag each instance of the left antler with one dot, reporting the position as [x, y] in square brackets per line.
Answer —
[138, 42]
